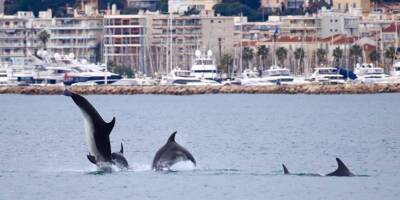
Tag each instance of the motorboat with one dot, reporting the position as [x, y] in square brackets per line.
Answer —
[178, 76]
[368, 73]
[278, 75]
[252, 78]
[326, 75]
[203, 66]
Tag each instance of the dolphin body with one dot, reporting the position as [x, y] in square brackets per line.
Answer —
[170, 154]
[97, 134]
[342, 170]
[119, 159]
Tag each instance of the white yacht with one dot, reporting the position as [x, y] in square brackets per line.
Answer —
[395, 78]
[278, 75]
[327, 75]
[4, 80]
[252, 78]
[179, 76]
[203, 66]
[368, 73]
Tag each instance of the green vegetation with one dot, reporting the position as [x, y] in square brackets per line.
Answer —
[58, 6]
[44, 38]
[299, 56]
[226, 63]
[337, 54]
[281, 53]
[263, 52]
[251, 9]
[247, 55]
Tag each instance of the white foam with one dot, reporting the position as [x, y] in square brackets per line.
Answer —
[183, 166]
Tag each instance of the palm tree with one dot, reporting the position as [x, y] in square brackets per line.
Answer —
[355, 52]
[247, 55]
[44, 38]
[373, 56]
[263, 52]
[321, 55]
[299, 56]
[226, 62]
[281, 53]
[390, 53]
[337, 54]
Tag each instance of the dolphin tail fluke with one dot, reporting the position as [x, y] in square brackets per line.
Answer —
[122, 149]
[172, 137]
[91, 158]
[285, 170]
[110, 125]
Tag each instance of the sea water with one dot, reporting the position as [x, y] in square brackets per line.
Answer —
[238, 141]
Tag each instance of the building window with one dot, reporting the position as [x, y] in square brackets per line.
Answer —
[339, 5]
[212, 21]
[354, 5]
[331, 30]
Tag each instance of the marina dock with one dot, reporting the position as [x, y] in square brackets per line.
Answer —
[196, 90]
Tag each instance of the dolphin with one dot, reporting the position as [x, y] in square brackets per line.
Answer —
[171, 153]
[97, 132]
[342, 170]
[119, 159]
[285, 170]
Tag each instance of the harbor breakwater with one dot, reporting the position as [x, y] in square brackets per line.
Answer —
[192, 90]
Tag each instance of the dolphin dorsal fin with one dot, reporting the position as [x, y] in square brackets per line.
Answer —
[285, 170]
[110, 125]
[341, 165]
[172, 137]
[122, 149]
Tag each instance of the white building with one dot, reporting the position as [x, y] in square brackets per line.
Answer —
[180, 6]
[332, 23]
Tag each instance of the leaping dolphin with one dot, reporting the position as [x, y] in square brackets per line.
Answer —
[342, 170]
[97, 133]
[171, 153]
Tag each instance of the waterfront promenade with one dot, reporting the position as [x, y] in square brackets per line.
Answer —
[193, 90]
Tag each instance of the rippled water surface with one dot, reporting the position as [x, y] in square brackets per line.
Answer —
[239, 142]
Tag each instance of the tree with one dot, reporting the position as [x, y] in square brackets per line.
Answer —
[355, 52]
[162, 6]
[44, 38]
[235, 8]
[226, 63]
[390, 53]
[191, 11]
[299, 56]
[337, 54]
[373, 56]
[247, 55]
[321, 55]
[263, 52]
[281, 53]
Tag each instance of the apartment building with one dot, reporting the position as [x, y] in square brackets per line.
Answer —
[17, 35]
[333, 23]
[174, 40]
[180, 6]
[346, 5]
[125, 43]
[80, 35]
